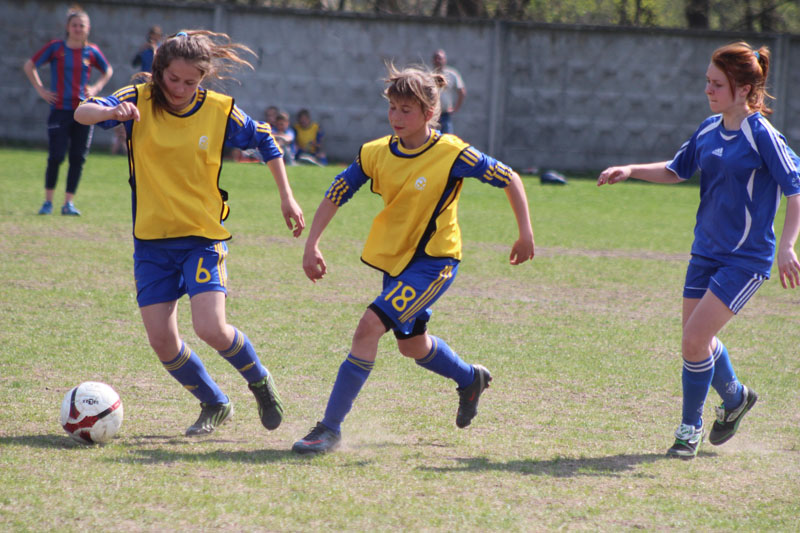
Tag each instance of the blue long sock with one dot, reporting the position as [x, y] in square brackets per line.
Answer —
[696, 380]
[188, 369]
[353, 372]
[243, 357]
[725, 382]
[445, 362]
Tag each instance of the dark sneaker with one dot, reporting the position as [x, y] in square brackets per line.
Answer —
[687, 442]
[47, 208]
[320, 440]
[727, 422]
[211, 416]
[270, 407]
[468, 396]
[70, 210]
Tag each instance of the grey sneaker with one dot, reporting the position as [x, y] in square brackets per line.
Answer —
[47, 208]
[69, 209]
[270, 407]
[687, 442]
[320, 440]
[468, 396]
[211, 416]
[727, 422]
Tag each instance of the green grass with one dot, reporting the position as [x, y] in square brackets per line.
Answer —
[583, 344]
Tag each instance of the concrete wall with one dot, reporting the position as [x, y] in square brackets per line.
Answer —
[565, 97]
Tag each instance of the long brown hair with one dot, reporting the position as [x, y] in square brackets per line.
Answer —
[213, 54]
[743, 65]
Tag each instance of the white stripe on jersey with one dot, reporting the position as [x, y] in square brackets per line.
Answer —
[780, 146]
[711, 126]
[748, 219]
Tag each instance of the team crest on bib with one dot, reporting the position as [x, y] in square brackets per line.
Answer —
[420, 183]
[203, 142]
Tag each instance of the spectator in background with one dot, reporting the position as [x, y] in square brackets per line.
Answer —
[144, 56]
[271, 115]
[453, 93]
[284, 135]
[309, 139]
[71, 63]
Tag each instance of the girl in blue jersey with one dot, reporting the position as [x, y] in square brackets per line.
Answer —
[176, 133]
[744, 166]
[71, 61]
[415, 241]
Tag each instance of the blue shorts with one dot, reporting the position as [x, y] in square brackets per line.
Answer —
[166, 274]
[733, 285]
[404, 304]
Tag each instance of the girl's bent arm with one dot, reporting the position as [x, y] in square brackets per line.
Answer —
[652, 172]
[91, 113]
[788, 265]
[524, 248]
[313, 263]
[289, 207]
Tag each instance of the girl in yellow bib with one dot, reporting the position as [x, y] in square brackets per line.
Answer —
[176, 131]
[415, 241]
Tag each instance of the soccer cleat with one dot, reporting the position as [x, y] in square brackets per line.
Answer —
[270, 407]
[727, 421]
[47, 208]
[687, 442]
[320, 440]
[211, 416]
[70, 210]
[468, 396]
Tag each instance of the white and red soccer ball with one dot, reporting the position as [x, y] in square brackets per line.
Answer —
[91, 413]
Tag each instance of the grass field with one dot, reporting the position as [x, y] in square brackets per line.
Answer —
[583, 344]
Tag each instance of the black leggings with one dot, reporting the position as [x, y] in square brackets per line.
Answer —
[64, 132]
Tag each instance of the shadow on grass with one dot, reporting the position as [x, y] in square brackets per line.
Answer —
[40, 441]
[159, 456]
[612, 466]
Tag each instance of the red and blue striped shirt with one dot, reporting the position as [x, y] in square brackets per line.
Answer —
[70, 69]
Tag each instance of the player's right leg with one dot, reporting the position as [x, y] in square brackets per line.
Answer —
[353, 373]
[159, 285]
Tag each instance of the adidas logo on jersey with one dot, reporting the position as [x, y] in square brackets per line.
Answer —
[717, 152]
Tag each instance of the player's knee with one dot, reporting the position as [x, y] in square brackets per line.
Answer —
[694, 346]
[212, 334]
[415, 347]
[369, 327]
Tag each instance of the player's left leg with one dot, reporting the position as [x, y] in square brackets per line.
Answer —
[734, 287]
[80, 138]
[353, 373]
[432, 353]
[206, 287]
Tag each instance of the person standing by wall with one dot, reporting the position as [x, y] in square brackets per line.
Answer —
[71, 61]
[144, 57]
[453, 94]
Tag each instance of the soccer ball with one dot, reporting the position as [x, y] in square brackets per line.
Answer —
[91, 413]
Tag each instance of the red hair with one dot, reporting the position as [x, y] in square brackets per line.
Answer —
[744, 66]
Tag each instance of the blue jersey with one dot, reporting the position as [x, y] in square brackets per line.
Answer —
[742, 175]
[70, 70]
[242, 131]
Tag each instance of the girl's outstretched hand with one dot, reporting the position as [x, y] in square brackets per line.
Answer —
[293, 216]
[613, 175]
[789, 268]
[521, 251]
